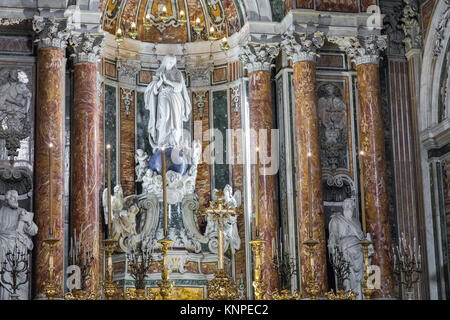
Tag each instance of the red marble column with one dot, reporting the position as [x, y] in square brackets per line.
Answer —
[309, 204]
[49, 129]
[86, 180]
[301, 49]
[374, 169]
[261, 117]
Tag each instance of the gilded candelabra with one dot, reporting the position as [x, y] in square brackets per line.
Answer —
[221, 287]
[110, 288]
[407, 265]
[165, 286]
[18, 269]
[312, 288]
[51, 286]
[367, 292]
[258, 284]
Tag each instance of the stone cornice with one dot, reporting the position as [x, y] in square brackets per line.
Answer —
[437, 136]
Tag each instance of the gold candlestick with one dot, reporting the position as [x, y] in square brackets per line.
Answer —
[165, 286]
[258, 284]
[51, 287]
[50, 194]
[110, 288]
[257, 194]
[310, 231]
[108, 152]
[363, 202]
[312, 288]
[221, 287]
[164, 183]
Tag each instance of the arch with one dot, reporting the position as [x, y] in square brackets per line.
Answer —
[431, 71]
[258, 10]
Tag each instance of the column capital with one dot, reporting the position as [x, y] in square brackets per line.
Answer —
[362, 49]
[87, 47]
[410, 25]
[256, 56]
[51, 31]
[302, 46]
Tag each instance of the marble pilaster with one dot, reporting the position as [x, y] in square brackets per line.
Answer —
[302, 49]
[52, 37]
[85, 152]
[257, 59]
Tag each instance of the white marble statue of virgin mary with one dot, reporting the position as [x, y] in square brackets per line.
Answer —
[168, 102]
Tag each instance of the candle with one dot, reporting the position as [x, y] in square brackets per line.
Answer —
[257, 193]
[50, 195]
[182, 13]
[310, 197]
[163, 172]
[108, 152]
[363, 202]
[197, 21]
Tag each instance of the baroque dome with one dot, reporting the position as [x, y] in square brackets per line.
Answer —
[226, 16]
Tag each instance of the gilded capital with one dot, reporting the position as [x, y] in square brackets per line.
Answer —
[259, 56]
[87, 47]
[301, 46]
[51, 31]
[362, 49]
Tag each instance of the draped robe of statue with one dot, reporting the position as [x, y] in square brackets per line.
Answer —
[168, 102]
[346, 234]
[16, 228]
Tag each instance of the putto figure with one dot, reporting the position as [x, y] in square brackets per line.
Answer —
[167, 100]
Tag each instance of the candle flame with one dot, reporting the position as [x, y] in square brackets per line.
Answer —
[224, 40]
[362, 153]
[309, 154]
[108, 146]
[50, 145]
[182, 13]
[133, 25]
[164, 9]
[212, 30]
[197, 21]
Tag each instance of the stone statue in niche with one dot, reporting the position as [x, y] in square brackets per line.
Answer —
[15, 101]
[167, 100]
[345, 237]
[16, 229]
[333, 126]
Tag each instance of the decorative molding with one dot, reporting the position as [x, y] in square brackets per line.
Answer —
[200, 101]
[10, 22]
[301, 46]
[410, 25]
[440, 30]
[362, 49]
[199, 73]
[236, 98]
[393, 29]
[87, 47]
[257, 56]
[127, 97]
[128, 70]
[51, 32]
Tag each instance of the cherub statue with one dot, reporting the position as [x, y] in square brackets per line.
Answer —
[117, 202]
[233, 201]
[141, 159]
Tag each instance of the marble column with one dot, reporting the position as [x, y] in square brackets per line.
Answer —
[52, 38]
[365, 52]
[301, 49]
[257, 59]
[85, 153]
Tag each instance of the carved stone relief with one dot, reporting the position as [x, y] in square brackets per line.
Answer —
[333, 127]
